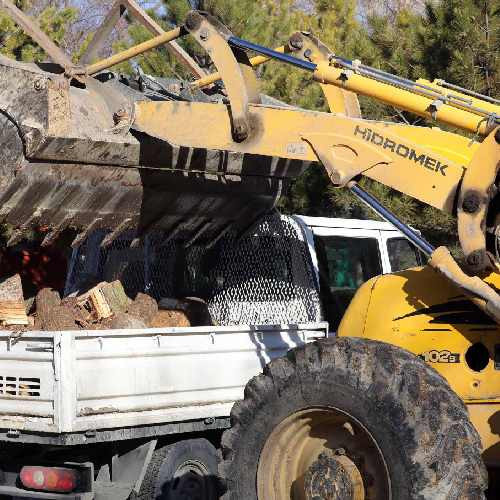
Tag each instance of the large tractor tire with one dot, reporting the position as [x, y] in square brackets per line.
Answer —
[351, 419]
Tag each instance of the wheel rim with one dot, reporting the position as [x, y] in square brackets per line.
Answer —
[191, 481]
[323, 453]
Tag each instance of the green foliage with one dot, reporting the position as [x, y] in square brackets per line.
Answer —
[156, 62]
[460, 43]
[16, 44]
[455, 40]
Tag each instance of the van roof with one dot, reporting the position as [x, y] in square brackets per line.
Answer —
[345, 223]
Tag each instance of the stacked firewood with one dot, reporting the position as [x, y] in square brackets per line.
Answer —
[105, 306]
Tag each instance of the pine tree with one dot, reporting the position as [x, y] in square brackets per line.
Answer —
[16, 44]
[460, 42]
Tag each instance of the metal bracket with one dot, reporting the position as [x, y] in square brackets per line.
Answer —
[127, 470]
[476, 191]
[233, 65]
[479, 291]
[310, 48]
[117, 12]
[345, 157]
[435, 105]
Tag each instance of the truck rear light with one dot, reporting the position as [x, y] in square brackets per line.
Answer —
[56, 479]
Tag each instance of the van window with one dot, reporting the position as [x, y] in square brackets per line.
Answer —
[344, 264]
[402, 254]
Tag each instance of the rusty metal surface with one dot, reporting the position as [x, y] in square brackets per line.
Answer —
[70, 159]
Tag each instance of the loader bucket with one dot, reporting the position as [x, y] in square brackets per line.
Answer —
[70, 158]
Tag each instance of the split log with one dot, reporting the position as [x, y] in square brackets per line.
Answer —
[143, 307]
[194, 308]
[104, 300]
[51, 315]
[124, 320]
[115, 296]
[12, 308]
[166, 319]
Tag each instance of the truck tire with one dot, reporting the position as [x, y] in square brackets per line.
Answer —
[351, 418]
[185, 470]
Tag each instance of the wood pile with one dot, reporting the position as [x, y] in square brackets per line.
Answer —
[104, 306]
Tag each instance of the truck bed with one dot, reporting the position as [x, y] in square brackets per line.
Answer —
[74, 384]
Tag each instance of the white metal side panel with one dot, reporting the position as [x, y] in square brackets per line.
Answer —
[27, 382]
[151, 376]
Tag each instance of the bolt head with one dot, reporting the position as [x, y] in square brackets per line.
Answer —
[471, 203]
[475, 259]
[39, 84]
[240, 131]
[296, 41]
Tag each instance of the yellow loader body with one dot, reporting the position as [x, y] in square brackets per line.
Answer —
[421, 311]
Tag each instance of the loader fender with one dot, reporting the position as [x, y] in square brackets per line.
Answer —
[350, 419]
[421, 311]
[355, 316]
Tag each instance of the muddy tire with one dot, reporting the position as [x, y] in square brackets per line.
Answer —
[335, 413]
[182, 470]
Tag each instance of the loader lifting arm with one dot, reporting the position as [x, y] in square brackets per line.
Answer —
[443, 169]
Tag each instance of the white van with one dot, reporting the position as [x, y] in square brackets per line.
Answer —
[348, 252]
[125, 410]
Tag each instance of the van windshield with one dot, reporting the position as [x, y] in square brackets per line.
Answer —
[402, 254]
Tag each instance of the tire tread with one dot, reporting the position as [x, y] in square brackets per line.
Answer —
[418, 402]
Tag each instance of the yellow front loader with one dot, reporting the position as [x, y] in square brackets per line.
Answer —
[357, 416]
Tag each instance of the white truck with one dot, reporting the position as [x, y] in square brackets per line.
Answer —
[139, 413]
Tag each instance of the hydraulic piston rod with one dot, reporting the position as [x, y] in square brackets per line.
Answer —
[135, 50]
[421, 243]
[395, 91]
[254, 61]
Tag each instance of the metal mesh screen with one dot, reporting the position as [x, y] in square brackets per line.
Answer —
[265, 277]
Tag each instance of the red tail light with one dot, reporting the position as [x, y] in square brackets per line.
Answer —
[55, 479]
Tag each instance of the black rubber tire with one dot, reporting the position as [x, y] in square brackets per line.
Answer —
[422, 427]
[159, 482]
